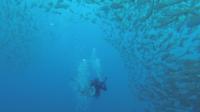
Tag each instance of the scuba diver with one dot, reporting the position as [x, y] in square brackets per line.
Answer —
[89, 81]
[98, 86]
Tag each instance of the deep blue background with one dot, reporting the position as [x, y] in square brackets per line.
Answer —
[43, 85]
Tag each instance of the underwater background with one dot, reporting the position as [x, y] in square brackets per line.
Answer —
[148, 51]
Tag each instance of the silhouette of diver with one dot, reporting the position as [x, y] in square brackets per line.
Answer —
[98, 86]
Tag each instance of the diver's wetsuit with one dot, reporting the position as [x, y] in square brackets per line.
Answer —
[98, 86]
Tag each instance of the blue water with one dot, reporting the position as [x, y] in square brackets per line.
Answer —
[43, 48]
[43, 84]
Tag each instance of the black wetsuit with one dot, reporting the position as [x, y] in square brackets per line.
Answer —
[98, 86]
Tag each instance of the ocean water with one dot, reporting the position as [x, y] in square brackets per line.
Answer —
[50, 50]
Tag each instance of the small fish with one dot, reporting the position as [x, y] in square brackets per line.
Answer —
[193, 21]
[116, 6]
[61, 6]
